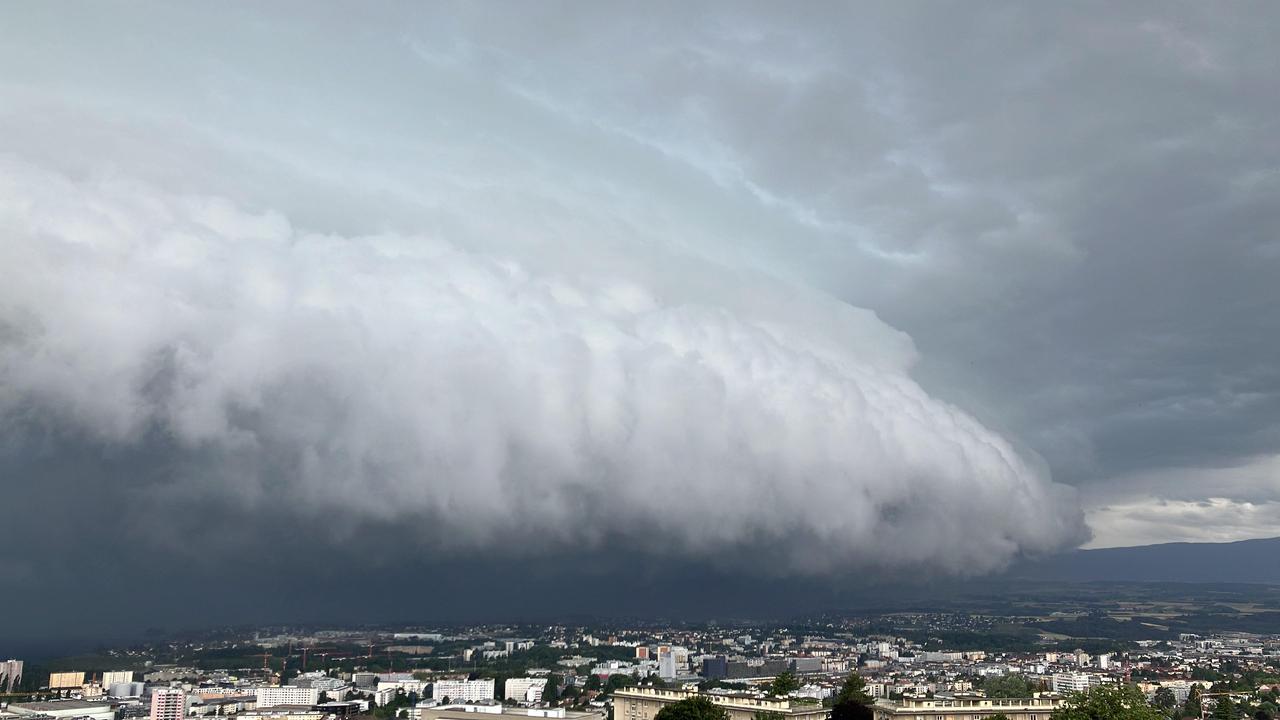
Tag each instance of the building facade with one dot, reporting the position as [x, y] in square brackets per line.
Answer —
[1039, 708]
[1074, 682]
[463, 690]
[524, 689]
[643, 703]
[110, 678]
[66, 680]
[168, 704]
[10, 674]
[286, 695]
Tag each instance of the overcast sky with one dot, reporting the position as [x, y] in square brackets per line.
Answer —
[787, 290]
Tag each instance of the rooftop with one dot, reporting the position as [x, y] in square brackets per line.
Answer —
[55, 705]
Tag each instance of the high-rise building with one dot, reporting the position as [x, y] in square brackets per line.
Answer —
[168, 704]
[10, 674]
[666, 664]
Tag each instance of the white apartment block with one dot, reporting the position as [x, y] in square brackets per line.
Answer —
[418, 687]
[463, 690]
[286, 695]
[1074, 682]
[524, 689]
[1040, 708]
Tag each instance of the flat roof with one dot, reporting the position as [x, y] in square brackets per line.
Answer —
[41, 705]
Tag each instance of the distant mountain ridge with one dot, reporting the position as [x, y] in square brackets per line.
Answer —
[1244, 561]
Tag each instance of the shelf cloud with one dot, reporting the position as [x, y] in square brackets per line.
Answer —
[669, 404]
[747, 291]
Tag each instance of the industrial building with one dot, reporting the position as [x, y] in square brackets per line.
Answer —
[58, 709]
[66, 680]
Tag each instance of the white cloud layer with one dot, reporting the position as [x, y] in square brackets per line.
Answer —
[667, 402]
[1189, 505]
[1147, 521]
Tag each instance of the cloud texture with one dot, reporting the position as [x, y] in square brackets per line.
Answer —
[392, 376]
[807, 288]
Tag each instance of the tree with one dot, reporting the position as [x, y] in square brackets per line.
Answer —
[784, 684]
[617, 681]
[1191, 707]
[694, 708]
[997, 716]
[1164, 700]
[854, 690]
[1107, 702]
[851, 710]
[1224, 708]
[655, 681]
[1007, 686]
[766, 715]
[552, 690]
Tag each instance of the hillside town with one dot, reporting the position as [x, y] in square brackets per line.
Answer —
[632, 674]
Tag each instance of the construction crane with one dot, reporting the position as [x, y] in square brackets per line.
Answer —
[325, 655]
[266, 660]
[1201, 696]
[306, 649]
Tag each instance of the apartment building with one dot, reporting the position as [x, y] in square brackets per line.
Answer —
[975, 708]
[643, 703]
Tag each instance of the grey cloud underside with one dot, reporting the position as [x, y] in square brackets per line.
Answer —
[693, 280]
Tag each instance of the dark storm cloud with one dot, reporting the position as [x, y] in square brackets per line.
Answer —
[847, 286]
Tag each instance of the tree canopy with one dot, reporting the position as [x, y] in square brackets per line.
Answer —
[1164, 700]
[784, 684]
[1107, 702]
[1008, 686]
[1191, 707]
[694, 708]
[1224, 708]
[854, 690]
[850, 710]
